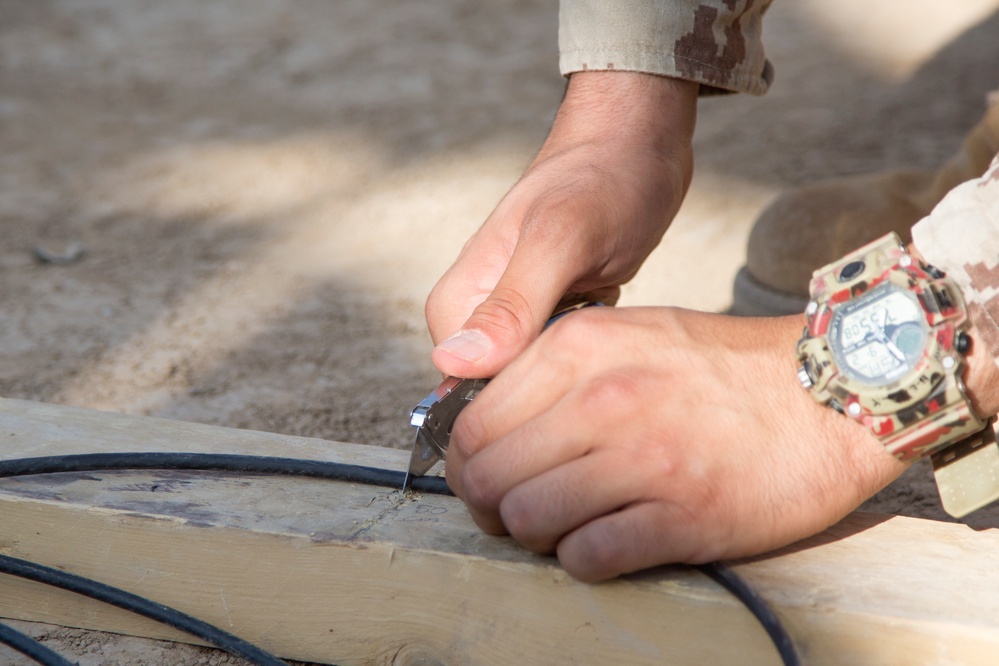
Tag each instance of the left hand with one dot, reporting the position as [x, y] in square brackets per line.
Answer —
[582, 219]
[626, 438]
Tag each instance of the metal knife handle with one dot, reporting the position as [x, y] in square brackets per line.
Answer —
[434, 417]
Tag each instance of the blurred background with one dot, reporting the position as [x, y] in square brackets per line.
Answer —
[247, 201]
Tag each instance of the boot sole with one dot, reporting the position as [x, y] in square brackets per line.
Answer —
[751, 298]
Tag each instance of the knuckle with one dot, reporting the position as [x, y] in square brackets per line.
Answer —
[479, 487]
[468, 434]
[441, 310]
[574, 334]
[617, 392]
[431, 310]
[506, 313]
[658, 457]
[594, 555]
[489, 523]
[436, 295]
[521, 521]
[435, 300]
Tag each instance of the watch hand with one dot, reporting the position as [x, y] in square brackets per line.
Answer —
[895, 351]
[882, 324]
[892, 347]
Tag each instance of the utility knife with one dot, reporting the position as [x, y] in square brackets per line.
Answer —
[434, 417]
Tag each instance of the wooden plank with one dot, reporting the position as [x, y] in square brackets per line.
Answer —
[349, 574]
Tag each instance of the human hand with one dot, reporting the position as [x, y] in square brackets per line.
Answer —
[587, 212]
[626, 438]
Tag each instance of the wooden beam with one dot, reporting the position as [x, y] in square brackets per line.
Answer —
[349, 574]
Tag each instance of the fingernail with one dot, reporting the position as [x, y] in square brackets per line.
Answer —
[467, 345]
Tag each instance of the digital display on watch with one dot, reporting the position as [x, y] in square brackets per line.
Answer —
[879, 337]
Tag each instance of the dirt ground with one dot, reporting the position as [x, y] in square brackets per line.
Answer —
[265, 191]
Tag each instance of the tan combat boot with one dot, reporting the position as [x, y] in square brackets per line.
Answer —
[811, 226]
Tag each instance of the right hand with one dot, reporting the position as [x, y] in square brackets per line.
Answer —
[584, 216]
[625, 438]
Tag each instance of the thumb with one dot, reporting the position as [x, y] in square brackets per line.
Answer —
[499, 329]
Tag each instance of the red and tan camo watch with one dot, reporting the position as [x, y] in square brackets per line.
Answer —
[885, 344]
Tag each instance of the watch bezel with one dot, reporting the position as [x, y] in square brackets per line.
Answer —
[938, 359]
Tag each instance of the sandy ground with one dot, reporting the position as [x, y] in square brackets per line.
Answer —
[267, 189]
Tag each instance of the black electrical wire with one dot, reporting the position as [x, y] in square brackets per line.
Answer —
[731, 581]
[221, 462]
[31, 648]
[245, 464]
[132, 602]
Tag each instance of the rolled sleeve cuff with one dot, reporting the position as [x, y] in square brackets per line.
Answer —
[961, 237]
[705, 42]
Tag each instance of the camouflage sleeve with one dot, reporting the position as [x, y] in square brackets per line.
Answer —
[961, 237]
[716, 43]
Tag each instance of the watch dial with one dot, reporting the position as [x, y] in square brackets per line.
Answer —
[879, 337]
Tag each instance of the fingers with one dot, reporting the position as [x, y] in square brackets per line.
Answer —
[498, 330]
[563, 464]
[467, 282]
[540, 511]
[642, 535]
[511, 316]
[554, 486]
[593, 507]
[518, 399]
[546, 397]
[488, 477]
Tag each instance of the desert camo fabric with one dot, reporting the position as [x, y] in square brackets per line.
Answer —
[961, 237]
[717, 43]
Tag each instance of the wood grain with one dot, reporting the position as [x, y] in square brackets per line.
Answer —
[350, 574]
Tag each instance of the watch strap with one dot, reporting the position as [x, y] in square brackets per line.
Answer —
[967, 473]
[943, 416]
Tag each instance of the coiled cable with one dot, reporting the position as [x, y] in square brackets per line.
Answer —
[247, 464]
[31, 648]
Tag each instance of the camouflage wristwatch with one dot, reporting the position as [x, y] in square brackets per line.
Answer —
[885, 344]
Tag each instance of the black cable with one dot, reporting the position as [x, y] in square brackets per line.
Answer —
[353, 474]
[132, 602]
[221, 462]
[31, 648]
[191, 461]
[731, 581]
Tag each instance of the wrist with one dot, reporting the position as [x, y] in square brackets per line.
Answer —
[981, 377]
[655, 112]
[853, 447]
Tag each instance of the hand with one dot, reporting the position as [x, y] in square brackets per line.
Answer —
[587, 212]
[626, 438]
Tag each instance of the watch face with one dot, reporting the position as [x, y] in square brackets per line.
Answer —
[880, 336]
